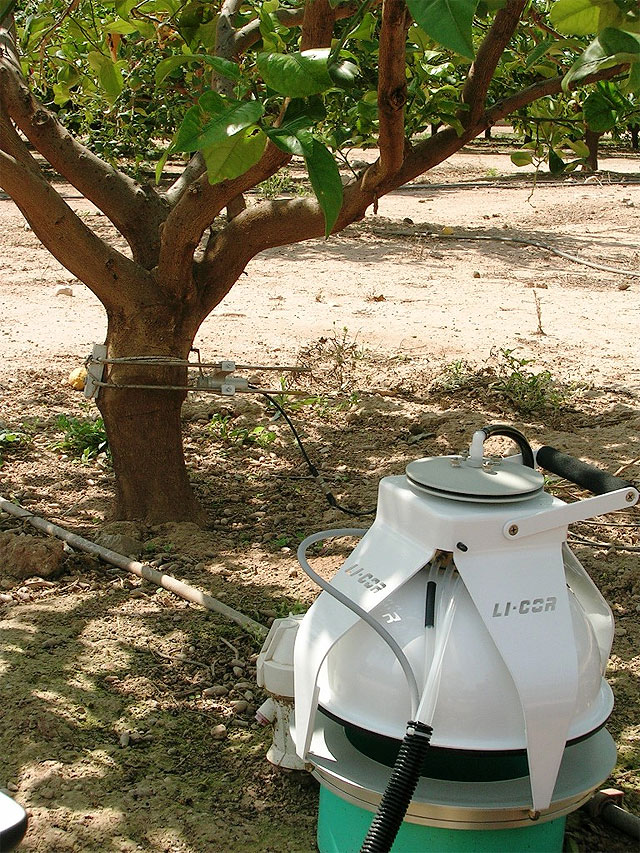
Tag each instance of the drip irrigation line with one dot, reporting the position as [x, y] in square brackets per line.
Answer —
[141, 570]
[519, 240]
[513, 184]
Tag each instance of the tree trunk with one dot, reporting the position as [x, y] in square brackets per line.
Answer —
[143, 426]
[592, 140]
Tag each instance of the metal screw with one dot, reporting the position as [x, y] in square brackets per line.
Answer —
[513, 530]
[630, 496]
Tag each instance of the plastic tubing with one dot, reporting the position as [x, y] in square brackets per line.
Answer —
[355, 608]
[142, 570]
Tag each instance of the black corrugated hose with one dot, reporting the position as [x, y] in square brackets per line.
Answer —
[400, 789]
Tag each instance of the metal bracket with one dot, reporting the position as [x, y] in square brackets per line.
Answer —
[570, 513]
[95, 371]
[223, 379]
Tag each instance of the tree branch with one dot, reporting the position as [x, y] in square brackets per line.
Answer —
[197, 209]
[249, 35]
[392, 90]
[553, 86]
[317, 24]
[483, 67]
[110, 275]
[135, 211]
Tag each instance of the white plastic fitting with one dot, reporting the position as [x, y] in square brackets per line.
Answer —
[476, 454]
[274, 672]
[274, 667]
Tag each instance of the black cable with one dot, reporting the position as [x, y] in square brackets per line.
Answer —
[400, 789]
[317, 476]
[515, 435]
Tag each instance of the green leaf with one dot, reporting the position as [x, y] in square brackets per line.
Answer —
[109, 74]
[599, 113]
[633, 81]
[161, 164]
[298, 75]
[324, 177]
[521, 158]
[539, 51]
[620, 43]
[288, 142]
[295, 74]
[448, 22]
[365, 29]
[578, 147]
[576, 17]
[233, 156]
[343, 73]
[223, 67]
[610, 48]
[556, 163]
[302, 113]
[214, 120]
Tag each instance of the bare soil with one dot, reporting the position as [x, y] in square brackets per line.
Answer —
[418, 330]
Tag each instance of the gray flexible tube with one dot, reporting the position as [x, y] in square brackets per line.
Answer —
[142, 570]
[347, 602]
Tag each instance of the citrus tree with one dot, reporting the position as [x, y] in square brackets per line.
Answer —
[239, 87]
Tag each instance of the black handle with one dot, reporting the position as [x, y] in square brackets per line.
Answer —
[579, 472]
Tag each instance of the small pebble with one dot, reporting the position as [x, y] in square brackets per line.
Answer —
[219, 732]
[216, 690]
[125, 737]
[238, 671]
[239, 706]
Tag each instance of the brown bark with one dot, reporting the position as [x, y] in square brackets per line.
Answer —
[592, 141]
[317, 24]
[392, 90]
[484, 65]
[143, 426]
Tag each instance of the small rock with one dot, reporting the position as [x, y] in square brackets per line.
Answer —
[236, 662]
[64, 291]
[239, 706]
[621, 632]
[219, 732]
[238, 671]
[120, 543]
[125, 737]
[216, 690]
[12, 787]
[248, 695]
[476, 274]
[30, 556]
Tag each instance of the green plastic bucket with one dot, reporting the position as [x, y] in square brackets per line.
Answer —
[343, 826]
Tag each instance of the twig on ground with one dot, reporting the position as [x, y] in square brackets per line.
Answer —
[230, 646]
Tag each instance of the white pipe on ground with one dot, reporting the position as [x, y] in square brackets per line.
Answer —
[142, 570]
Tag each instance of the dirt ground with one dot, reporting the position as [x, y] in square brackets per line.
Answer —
[422, 323]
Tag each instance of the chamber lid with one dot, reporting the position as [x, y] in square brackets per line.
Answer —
[485, 481]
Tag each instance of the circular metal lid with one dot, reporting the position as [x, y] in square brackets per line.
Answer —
[487, 481]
